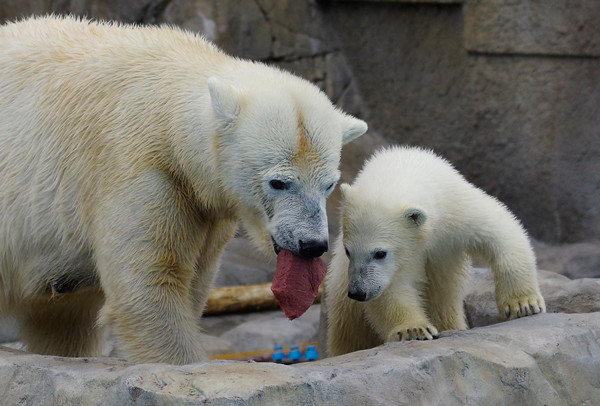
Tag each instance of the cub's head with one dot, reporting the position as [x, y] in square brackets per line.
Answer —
[279, 142]
[381, 241]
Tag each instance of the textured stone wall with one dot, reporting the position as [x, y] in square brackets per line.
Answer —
[508, 90]
[289, 33]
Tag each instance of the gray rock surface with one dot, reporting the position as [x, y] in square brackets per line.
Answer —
[550, 359]
[560, 293]
[578, 260]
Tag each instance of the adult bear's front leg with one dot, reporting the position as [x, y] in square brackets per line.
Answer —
[145, 246]
[149, 304]
[155, 324]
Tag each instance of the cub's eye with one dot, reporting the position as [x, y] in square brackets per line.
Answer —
[330, 187]
[347, 252]
[277, 184]
[379, 254]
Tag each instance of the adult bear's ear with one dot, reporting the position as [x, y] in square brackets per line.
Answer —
[415, 216]
[225, 100]
[352, 128]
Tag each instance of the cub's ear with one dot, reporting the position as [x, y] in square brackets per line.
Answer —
[352, 128]
[225, 100]
[346, 189]
[415, 216]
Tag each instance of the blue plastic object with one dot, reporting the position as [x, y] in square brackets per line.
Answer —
[311, 353]
[278, 354]
[295, 354]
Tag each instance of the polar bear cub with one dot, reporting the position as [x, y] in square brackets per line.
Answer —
[411, 224]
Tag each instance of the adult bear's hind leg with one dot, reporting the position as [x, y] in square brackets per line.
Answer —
[64, 324]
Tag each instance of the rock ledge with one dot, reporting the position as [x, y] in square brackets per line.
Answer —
[550, 359]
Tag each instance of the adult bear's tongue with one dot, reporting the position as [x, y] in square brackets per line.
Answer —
[296, 282]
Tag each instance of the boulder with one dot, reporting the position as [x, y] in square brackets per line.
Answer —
[550, 359]
[577, 260]
[560, 293]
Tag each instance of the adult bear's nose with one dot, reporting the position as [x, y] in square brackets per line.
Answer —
[312, 248]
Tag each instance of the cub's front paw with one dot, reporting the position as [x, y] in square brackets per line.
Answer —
[521, 306]
[405, 333]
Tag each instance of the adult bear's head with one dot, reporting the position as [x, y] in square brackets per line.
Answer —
[279, 140]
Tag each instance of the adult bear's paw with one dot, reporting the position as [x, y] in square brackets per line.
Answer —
[412, 332]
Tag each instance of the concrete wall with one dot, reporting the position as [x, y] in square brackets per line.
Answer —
[508, 90]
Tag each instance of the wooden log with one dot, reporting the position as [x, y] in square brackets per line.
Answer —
[243, 298]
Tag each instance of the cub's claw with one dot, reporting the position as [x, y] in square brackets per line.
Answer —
[523, 306]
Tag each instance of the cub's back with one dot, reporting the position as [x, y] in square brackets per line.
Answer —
[407, 174]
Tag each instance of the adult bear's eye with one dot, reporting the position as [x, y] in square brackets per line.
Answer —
[379, 254]
[330, 187]
[347, 252]
[277, 184]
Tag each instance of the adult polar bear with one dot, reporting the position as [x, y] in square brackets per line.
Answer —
[127, 156]
[411, 223]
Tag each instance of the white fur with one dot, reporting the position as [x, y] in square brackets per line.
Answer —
[429, 221]
[127, 156]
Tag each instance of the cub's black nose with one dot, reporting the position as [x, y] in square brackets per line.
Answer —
[357, 295]
[313, 248]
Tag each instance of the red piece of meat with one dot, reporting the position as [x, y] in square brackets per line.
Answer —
[296, 282]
